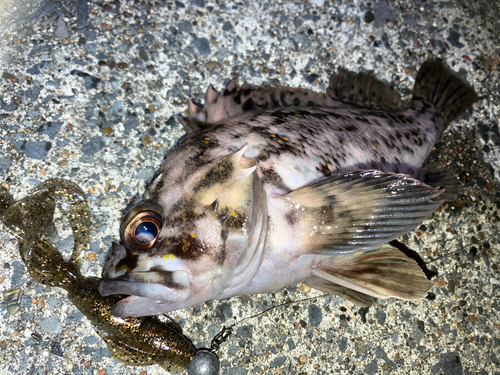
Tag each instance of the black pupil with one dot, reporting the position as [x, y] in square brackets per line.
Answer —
[146, 232]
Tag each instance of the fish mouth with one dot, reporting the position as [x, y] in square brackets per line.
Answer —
[155, 283]
[174, 288]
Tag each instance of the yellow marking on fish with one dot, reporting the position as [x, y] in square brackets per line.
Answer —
[221, 168]
[192, 234]
[185, 244]
[203, 177]
[329, 166]
[168, 257]
[303, 126]
[274, 135]
[279, 140]
[206, 142]
[233, 213]
[285, 138]
[124, 267]
[375, 144]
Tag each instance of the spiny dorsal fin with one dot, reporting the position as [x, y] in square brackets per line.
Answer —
[236, 100]
[364, 91]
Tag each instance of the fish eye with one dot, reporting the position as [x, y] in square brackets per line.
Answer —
[140, 227]
[146, 232]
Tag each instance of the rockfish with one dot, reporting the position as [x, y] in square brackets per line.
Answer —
[275, 186]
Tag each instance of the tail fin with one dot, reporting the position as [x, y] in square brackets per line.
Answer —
[440, 87]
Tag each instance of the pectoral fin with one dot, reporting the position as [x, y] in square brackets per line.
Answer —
[381, 273]
[359, 210]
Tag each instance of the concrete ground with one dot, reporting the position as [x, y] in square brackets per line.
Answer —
[89, 92]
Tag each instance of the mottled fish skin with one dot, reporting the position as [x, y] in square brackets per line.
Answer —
[133, 341]
[294, 146]
[276, 186]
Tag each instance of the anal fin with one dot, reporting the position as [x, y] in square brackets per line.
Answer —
[356, 298]
[382, 273]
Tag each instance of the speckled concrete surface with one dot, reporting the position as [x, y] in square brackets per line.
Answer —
[89, 91]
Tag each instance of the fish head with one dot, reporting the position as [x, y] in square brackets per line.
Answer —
[177, 250]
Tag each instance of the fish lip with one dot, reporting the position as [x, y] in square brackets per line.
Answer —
[166, 286]
[157, 292]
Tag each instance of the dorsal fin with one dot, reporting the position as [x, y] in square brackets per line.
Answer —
[236, 100]
[345, 87]
[364, 91]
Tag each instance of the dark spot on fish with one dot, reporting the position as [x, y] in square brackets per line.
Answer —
[129, 261]
[325, 170]
[282, 97]
[185, 246]
[362, 119]
[269, 176]
[291, 217]
[235, 221]
[219, 173]
[296, 102]
[166, 278]
[181, 215]
[222, 254]
[248, 105]
[237, 97]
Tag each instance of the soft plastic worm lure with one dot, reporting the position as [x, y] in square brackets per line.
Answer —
[133, 341]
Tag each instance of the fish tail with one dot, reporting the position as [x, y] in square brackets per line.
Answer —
[443, 89]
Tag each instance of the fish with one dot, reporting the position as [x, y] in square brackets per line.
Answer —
[132, 341]
[274, 186]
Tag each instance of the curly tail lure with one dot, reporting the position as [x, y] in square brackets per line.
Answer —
[132, 341]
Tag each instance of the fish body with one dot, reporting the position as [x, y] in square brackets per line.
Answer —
[277, 186]
[133, 341]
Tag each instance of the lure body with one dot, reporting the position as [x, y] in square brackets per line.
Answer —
[133, 341]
